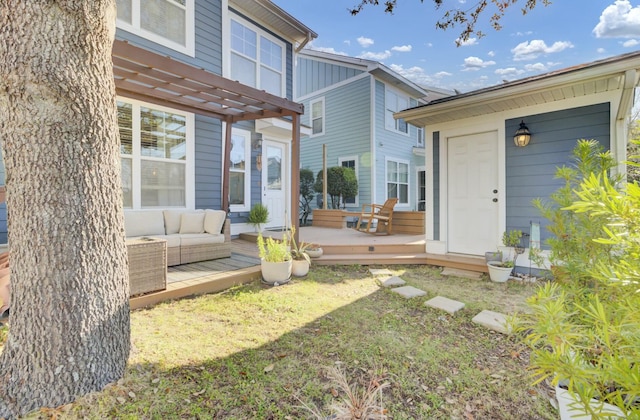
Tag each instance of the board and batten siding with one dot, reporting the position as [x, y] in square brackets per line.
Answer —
[347, 132]
[314, 75]
[530, 170]
[436, 186]
[393, 145]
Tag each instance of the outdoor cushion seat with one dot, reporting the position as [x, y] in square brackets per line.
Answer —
[187, 239]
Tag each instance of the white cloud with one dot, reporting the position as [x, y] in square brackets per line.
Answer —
[523, 33]
[376, 56]
[402, 48]
[619, 20]
[530, 50]
[429, 44]
[365, 42]
[509, 71]
[491, 53]
[630, 43]
[419, 75]
[330, 50]
[601, 51]
[536, 68]
[467, 43]
[476, 63]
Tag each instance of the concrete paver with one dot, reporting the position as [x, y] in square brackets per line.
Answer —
[409, 292]
[448, 305]
[493, 320]
[393, 281]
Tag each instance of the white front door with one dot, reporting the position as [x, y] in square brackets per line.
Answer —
[472, 193]
[274, 182]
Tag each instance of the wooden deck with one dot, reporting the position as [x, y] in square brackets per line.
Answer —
[340, 246]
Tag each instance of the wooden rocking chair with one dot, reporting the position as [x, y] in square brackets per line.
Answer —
[383, 214]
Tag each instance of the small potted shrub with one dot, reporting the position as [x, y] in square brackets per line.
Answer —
[500, 270]
[301, 260]
[258, 216]
[583, 327]
[314, 251]
[275, 260]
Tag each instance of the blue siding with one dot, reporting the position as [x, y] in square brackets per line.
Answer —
[347, 133]
[314, 75]
[208, 162]
[436, 186]
[530, 170]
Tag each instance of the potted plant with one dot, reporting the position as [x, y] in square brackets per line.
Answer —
[582, 328]
[275, 260]
[301, 260]
[314, 251]
[500, 270]
[258, 216]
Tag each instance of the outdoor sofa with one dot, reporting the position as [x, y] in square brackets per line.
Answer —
[191, 235]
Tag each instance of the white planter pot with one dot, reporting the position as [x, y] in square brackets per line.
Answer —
[276, 272]
[314, 253]
[498, 274]
[300, 268]
[570, 410]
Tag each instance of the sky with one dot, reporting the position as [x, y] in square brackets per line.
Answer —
[562, 34]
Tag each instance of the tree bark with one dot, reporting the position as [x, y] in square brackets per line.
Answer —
[69, 330]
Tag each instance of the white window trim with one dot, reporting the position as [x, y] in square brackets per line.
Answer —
[418, 170]
[420, 139]
[260, 32]
[247, 171]
[356, 168]
[136, 155]
[311, 117]
[394, 128]
[386, 181]
[134, 27]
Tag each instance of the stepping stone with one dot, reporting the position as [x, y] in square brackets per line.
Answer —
[380, 272]
[493, 320]
[445, 304]
[474, 275]
[394, 281]
[409, 292]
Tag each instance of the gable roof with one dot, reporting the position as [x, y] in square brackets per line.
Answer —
[377, 69]
[610, 74]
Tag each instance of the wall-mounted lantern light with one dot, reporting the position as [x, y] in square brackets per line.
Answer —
[256, 141]
[522, 136]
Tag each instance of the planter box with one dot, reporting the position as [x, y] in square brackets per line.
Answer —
[147, 265]
[331, 218]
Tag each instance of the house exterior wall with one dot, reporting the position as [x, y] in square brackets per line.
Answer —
[314, 75]
[347, 132]
[392, 145]
[530, 170]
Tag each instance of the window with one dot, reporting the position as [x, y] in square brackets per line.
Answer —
[422, 190]
[420, 135]
[239, 170]
[398, 181]
[350, 162]
[394, 102]
[167, 22]
[257, 59]
[317, 117]
[155, 146]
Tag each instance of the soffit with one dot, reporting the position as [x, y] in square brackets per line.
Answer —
[147, 76]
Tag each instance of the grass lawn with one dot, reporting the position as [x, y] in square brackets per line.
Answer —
[254, 352]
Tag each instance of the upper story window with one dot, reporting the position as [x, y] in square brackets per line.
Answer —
[317, 117]
[257, 59]
[166, 22]
[420, 134]
[156, 146]
[394, 102]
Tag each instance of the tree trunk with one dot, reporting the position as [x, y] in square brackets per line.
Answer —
[69, 330]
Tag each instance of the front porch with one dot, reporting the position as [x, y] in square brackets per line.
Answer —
[340, 246]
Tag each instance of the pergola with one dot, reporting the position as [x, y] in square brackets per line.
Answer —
[150, 77]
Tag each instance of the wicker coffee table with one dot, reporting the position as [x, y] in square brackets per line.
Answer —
[147, 265]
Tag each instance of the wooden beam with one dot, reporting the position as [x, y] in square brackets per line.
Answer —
[227, 165]
[295, 175]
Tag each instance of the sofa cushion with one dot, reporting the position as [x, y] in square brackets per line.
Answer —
[200, 239]
[143, 223]
[192, 223]
[214, 220]
[173, 241]
[172, 219]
